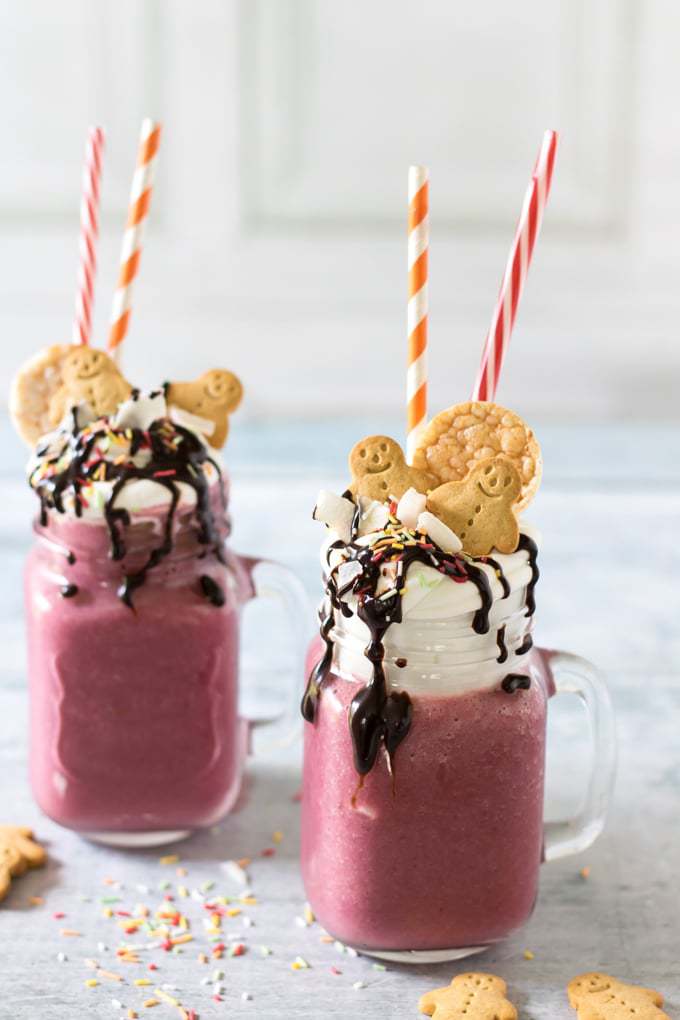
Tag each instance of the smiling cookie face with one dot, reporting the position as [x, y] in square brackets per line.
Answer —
[496, 479]
[481, 509]
[210, 399]
[379, 470]
[223, 388]
[598, 996]
[375, 454]
[83, 363]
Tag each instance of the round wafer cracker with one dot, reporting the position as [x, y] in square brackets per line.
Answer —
[458, 438]
[33, 388]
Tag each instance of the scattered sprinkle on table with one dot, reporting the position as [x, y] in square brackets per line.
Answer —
[585, 871]
[277, 836]
[528, 955]
[169, 859]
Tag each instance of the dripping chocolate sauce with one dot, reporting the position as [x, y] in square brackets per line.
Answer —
[378, 717]
[176, 455]
[212, 590]
[498, 571]
[515, 682]
[531, 550]
[526, 646]
[502, 647]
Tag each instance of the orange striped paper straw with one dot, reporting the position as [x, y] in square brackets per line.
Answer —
[138, 211]
[418, 248]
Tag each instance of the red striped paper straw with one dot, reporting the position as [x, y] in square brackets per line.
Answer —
[89, 233]
[516, 271]
[138, 210]
[418, 250]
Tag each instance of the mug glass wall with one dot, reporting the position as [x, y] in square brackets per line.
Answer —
[439, 856]
[136, 736]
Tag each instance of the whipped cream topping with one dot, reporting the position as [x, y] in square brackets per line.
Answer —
[434, 647]
[122, 439]
[406, 614]
[131, 463]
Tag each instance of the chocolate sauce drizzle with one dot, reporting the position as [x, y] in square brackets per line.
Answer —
[502, 647]
[377, 717]
[526, 646]
[515, 682]
[212, 590]
[531, 548]
[498, 571]
[176, 455]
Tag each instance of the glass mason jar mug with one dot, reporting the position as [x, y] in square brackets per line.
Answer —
[436, 855]
[136, 737]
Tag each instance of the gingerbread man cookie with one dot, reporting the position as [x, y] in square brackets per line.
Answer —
[18, 851]
[458, 438]
[212, 397]
[469, 997]
[88, 376]
[597, 996]
[379, 470]
[481, 509]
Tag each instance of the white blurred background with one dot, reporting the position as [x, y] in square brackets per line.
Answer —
[277, 238]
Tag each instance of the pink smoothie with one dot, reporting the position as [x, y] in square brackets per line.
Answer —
[134, 722]
[448, 854]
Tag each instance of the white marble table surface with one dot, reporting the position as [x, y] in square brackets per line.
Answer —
[610, 515]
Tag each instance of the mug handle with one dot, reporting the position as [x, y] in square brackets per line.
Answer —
[570, 674]
[270, 579]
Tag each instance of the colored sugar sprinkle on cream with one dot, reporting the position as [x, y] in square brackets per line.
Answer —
[299, 963]
[358, 985]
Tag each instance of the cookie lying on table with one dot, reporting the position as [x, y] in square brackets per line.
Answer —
[473, 996]
[18, 851]
[597, 996]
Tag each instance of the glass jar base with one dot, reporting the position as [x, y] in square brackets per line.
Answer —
[137, 839]
[416, 956]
